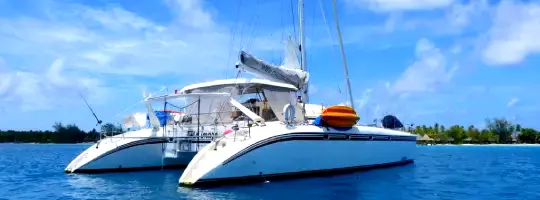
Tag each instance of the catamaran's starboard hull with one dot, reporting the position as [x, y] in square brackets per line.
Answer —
[302, 154]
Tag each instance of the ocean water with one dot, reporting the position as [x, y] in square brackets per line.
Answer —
[35, 171]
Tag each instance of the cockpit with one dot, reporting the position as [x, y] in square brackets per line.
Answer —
[262, 97]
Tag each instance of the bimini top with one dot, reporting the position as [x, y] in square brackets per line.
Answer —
[240, 82]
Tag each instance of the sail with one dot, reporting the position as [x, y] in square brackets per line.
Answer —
[265, 70]
[291, 55]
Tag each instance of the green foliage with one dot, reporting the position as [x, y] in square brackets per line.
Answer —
[70, 133]
[528, 135]
[457, 133]
[496, 131]
[502, 128]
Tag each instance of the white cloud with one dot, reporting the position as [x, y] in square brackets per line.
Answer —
[513, 101]
[513, 36]
[365, 98]
[427, 72]
[20, 90]
[104, 41]
[462, 15]
[396, 5]
[192, 13]
[112, 40]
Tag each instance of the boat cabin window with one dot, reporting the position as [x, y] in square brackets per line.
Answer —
[262, 99]
[257, 106]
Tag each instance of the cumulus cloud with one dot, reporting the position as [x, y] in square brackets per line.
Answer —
[396, 5]
[96, 42]
[20, 90]
[427, 73]
[513, 35]
[461, 15]
[112, 40]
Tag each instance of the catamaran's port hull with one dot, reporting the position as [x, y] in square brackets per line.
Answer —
[295, 155]
[145, 154]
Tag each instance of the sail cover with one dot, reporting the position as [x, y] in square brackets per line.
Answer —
[391, 121]
[263, 69]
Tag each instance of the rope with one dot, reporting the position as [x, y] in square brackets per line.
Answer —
[256, 23]
[233, 39]
[294, 23]
[329, 33]
[180, 108]
[137, 103]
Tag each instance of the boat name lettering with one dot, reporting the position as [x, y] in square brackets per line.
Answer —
[193, 133]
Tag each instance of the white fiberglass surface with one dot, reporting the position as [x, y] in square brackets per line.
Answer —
[296, 156]
[148, 155]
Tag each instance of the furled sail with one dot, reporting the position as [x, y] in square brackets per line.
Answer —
[289, 72]
[265, 70]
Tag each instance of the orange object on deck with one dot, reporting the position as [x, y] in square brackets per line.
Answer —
[340, 116]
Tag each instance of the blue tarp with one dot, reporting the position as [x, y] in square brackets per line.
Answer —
[163, 117]
[320, 122]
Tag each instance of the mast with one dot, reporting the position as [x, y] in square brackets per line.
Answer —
[302, 47]
[343, 54]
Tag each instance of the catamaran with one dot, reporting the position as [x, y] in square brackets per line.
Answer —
[174, 136]
[303, 139]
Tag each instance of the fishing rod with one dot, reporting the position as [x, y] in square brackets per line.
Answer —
[91, 110]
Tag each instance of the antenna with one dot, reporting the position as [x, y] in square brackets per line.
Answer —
[91, 110]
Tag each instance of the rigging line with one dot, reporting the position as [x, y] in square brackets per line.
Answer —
[343, 54]
[251, 24]
[256, 24]
[242, 37]
[281, 24]
[310, 56]
[236, 22]
[293, 22]
[329, 33]
[253, 32]
[138, 103]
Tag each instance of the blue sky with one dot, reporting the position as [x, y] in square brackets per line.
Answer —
[445, 61]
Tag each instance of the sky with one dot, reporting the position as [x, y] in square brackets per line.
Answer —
[425, 61]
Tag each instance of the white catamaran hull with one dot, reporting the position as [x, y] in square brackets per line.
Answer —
[136, 150]
[300, 151]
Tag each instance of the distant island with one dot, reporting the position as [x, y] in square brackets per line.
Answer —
[497, 131]
[63, 134]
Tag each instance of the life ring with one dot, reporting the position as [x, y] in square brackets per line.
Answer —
[289, 112]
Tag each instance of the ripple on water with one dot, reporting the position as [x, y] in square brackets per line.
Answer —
[31, 171]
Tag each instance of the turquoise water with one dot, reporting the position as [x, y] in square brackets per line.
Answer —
[35, 171]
